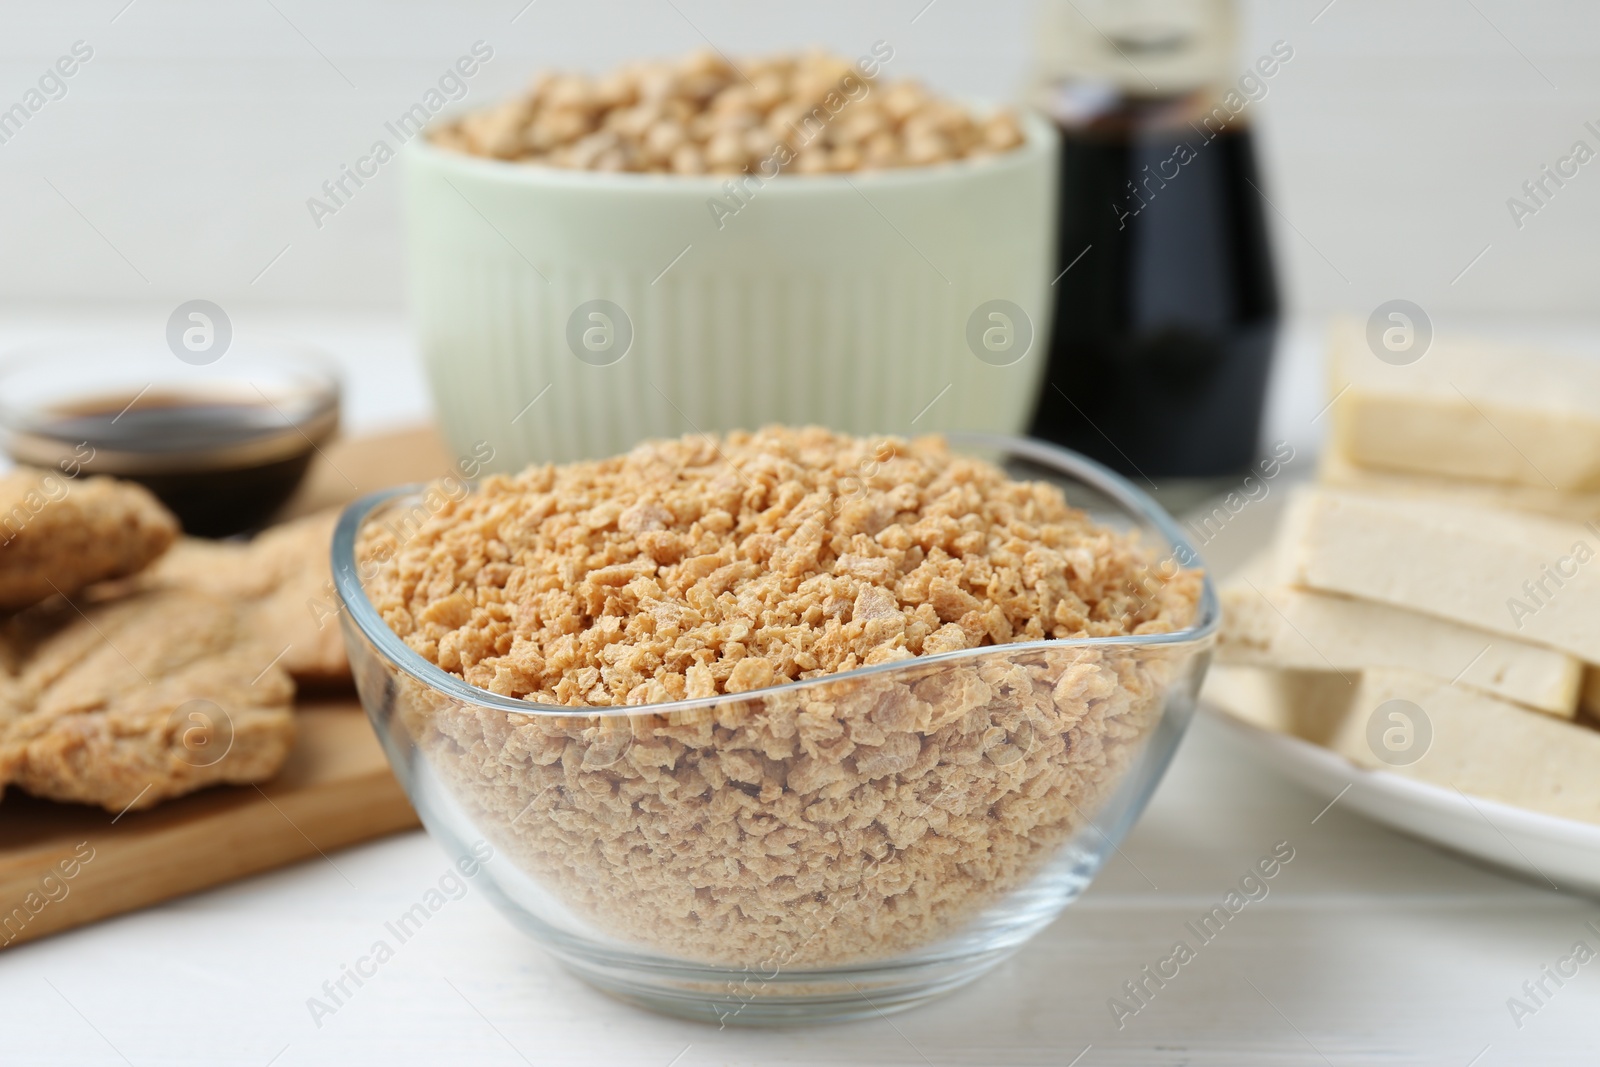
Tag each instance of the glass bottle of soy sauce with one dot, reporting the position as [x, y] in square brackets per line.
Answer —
[1166, 313]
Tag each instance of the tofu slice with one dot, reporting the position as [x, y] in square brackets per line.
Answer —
[1468, 409]
[1337, 470]
[1527, 577]
[1482, 746]
[1310, 705]
[1299, 629]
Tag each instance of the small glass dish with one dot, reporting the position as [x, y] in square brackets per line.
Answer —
[825, 849]
[223, 444]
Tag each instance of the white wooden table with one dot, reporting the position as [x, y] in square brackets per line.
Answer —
[1370, 948]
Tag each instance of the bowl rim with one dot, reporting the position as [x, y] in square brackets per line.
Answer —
[26, 425]
[1039, 142]
[274, 353]
[359, 611]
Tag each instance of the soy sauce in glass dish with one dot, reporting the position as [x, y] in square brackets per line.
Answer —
[223, 446]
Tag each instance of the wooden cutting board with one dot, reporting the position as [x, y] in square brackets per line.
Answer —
[63, 865]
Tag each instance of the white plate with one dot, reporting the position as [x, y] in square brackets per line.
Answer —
[1561, 853]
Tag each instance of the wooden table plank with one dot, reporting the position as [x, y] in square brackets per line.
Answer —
[335, 790]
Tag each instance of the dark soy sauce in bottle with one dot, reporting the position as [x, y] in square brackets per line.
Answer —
[1164, 328]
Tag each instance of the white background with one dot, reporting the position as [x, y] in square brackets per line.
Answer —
[193, 138]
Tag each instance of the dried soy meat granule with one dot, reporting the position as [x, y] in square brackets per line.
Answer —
[698, 566]
[849, 820]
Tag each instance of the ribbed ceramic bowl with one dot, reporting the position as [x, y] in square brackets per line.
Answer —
[834, 847]
[569, 314]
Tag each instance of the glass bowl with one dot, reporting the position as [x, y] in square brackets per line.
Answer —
[223, 443]
[829, 848]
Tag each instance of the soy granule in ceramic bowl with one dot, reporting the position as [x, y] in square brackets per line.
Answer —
[653, 197]
[893, 718]
[808, 113]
